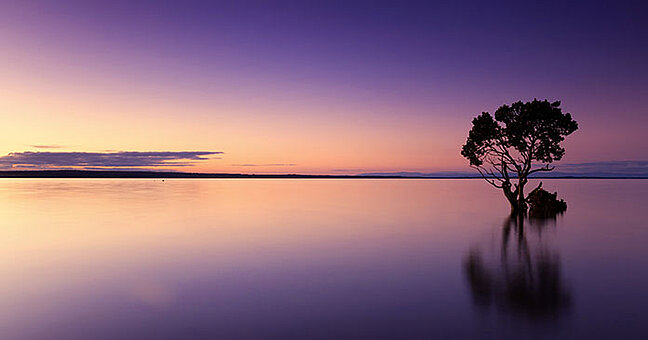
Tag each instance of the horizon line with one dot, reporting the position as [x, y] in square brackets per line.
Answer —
[81, 173]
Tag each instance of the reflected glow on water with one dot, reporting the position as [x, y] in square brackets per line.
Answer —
[313, 259]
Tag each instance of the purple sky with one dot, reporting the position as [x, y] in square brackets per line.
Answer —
[356, 71]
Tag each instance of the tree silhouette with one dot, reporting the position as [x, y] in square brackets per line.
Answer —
[522, 139]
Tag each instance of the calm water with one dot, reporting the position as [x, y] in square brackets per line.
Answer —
[248, 259]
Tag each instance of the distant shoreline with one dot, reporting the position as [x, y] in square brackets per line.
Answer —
[169, 174]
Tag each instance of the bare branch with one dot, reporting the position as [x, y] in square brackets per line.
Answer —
[547, 167]
[488, 179]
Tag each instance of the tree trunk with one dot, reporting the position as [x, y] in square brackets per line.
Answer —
[514, 208]
[516, 198]
[521, 202]
[512, 199]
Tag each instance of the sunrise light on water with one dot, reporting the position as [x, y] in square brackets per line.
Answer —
[323, 170]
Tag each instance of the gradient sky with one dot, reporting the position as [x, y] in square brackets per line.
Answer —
[315, 87]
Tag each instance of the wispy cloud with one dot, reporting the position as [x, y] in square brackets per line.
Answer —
[618, 168]
[443, 174]
[269, 164]
[104, 160]
[47, 146]
[589, 169]
[348, 170]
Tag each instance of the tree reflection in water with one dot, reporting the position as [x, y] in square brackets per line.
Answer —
[526, 280]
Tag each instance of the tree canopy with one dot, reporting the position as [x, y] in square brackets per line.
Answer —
[512, 144]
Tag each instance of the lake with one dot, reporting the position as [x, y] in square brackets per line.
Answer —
[319, 259]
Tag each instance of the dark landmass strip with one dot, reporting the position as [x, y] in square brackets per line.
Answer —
[170, 174]
[156, 174]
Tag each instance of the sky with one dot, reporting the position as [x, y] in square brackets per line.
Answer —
[328, 87]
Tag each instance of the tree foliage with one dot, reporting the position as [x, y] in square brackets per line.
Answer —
[543, 204]
[521, 139]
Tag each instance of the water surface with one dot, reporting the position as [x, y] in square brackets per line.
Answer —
[315, 258]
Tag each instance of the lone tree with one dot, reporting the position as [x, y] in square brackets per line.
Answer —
[522, 139]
